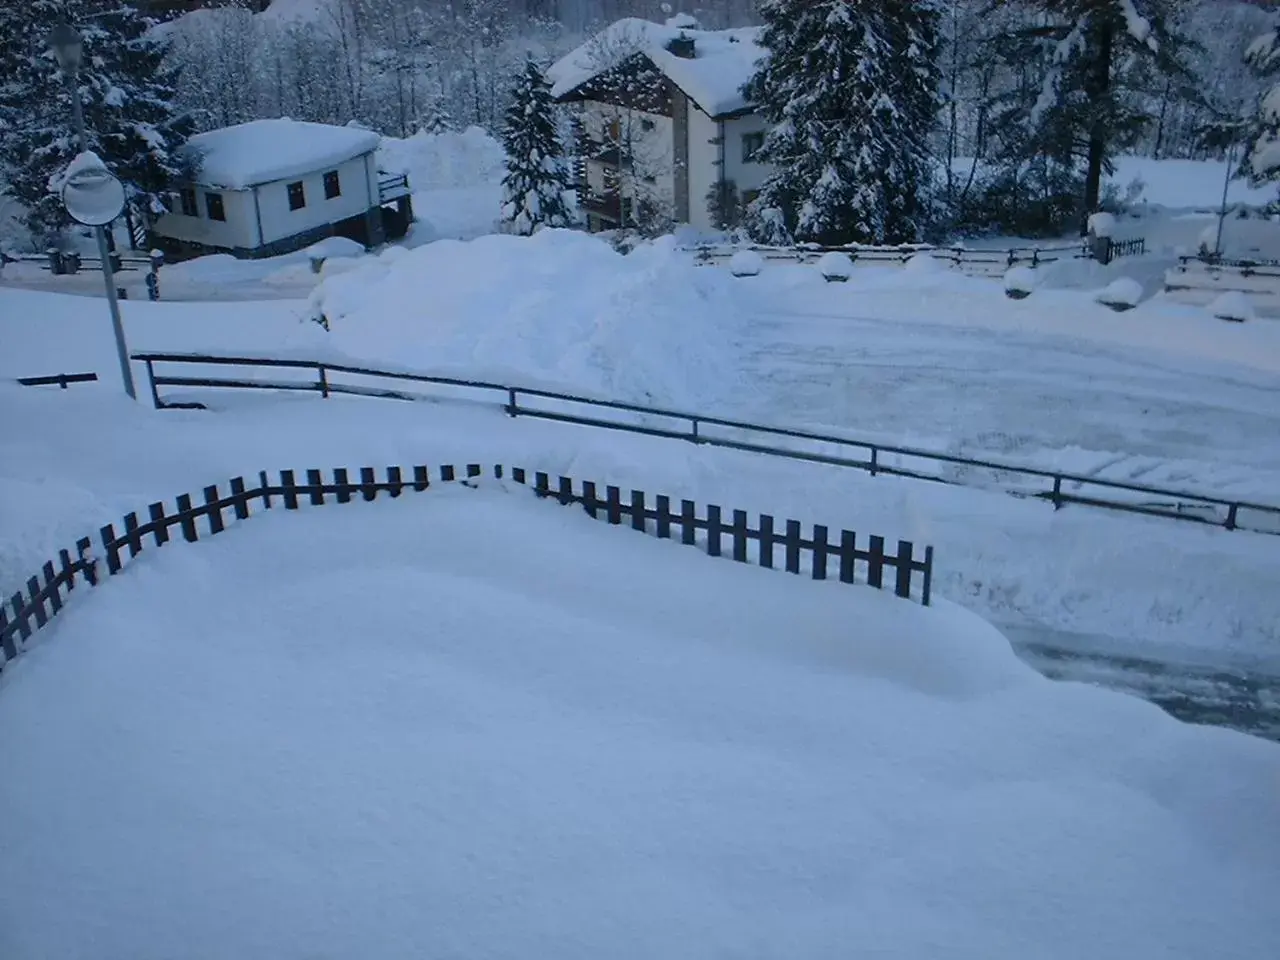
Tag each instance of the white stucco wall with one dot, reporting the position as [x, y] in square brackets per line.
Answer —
[278, 221]
[238, 230]
[748, 176]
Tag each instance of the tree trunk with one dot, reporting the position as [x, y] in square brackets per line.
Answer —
[1097, 90]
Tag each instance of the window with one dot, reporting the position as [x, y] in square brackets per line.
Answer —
[646, 124]
[751, 145]
[213, 204]
[332, 186]
[297, 196]
[187, 202]
[613, 130]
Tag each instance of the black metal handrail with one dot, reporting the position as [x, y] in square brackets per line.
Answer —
[61, 379]
[1058, 487]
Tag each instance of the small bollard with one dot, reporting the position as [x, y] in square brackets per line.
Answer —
[71, 263]
[55, 261]
[122, 293]
[153, 278]
[116, 262]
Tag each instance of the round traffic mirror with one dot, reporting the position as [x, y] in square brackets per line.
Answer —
[93, 197]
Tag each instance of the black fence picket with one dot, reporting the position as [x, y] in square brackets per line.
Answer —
[32, 609]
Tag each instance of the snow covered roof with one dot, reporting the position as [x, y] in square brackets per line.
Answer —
[262, 151]
[723, 60]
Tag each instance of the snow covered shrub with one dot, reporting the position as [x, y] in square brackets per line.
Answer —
[1233, 306]
[835, 267]
[923, 263]
[1120, 295]
[1019, 283]
[724, 205]
[746, 263]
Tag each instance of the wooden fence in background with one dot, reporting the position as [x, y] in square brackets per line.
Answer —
[816, 553]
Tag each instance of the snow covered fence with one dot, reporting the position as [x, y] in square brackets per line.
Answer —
[986, 263]
[817, 555]
[1059, 488]
[1200, 281]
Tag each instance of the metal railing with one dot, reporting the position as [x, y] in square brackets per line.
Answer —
[60, 379]
[1057, 487]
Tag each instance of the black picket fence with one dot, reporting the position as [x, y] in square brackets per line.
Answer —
[817, 554]
[1056, 487]
[991, 262]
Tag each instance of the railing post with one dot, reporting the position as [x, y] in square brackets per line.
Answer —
[513, 410]
[1231, 516]
[874, 461]
[324, 381]
[151, 378]
[928, 576]
[1057, 492]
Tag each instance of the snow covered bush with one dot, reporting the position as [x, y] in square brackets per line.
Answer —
[746, 263]
[533, 189]
[1233, 306]
[924, 263]
[1102, 224]
[1019, 283]
[1120, 295]
[835, 267]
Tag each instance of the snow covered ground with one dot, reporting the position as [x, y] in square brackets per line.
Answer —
[372, 731]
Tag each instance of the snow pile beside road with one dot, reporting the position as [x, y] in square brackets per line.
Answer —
[558, 308]
[563, 739]
[450, 159]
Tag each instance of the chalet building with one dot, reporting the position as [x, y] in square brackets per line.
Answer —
[272, 186]
[665, 133]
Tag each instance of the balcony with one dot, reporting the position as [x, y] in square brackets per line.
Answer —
[606, 207]
[392, 186]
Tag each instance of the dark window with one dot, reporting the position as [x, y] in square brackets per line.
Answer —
[297, 198]
[751, 145]
[187, 200]
[646, 124]
[749, 197]
[213, 203]
[332, 186]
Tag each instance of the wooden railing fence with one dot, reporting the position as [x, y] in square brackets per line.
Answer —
[816, 553]
[1056, 487]
[60, 379]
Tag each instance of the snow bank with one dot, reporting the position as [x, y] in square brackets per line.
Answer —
[560, 307]
[924, 263]
[562, 739]
[1232, 305]
[1122, 294]
[449, 159]
[746, 263]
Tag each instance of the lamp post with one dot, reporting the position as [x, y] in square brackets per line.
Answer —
[68, 48]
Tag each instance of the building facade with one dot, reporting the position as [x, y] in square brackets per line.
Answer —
[664, 134]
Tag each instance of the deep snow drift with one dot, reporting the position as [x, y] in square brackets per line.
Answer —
[560, 307]
[367, 730]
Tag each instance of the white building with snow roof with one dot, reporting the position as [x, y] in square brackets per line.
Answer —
[271, 186]
[665, 129]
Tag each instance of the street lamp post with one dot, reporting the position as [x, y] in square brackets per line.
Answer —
[67, 47]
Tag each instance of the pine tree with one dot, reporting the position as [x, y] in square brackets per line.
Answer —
[533, 188]
[128, 93]
[850, 88]
[1262, 128]
[1096, 58]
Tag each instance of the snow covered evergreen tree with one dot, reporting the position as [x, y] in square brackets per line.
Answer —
[1262, 129]
[1097, 60]
[533, 188]
[127, 91]
[850, 89]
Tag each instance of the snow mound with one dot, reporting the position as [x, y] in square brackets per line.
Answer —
[1232, 305]
[924, 263]
[559, 308]
[1102, 224]
[1122, 294]
[746, 263]
[450, 159]
[556, 738]
[835, 266]
[1020, 280]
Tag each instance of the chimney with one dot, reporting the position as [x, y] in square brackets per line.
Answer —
[682, 47]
